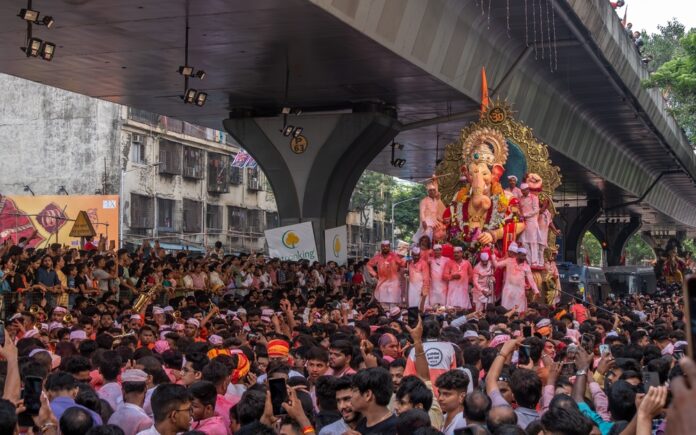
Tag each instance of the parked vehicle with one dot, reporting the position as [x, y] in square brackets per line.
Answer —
[631, 280]
[585, 281]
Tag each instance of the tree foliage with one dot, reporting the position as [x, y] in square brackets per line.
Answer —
[637, 251]
[373, 192]
[406, 214]
[590, 247]
[674, 63]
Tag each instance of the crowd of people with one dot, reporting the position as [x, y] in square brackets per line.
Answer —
[155, 342]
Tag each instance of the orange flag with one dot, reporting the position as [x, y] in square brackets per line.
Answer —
[484, 91]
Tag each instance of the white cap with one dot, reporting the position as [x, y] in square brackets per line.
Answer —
[513, 247]
[78, 335]
[385, 243]
[134, 375]
[437, 246]
[215, 340]
[470, 334]
[484, 256]
[194, 322]
[512, 177]
[522, 251]
[415, 250]
[135, 317]
[458, 249]
[168, 309]
[241, 311]
[157, 310]
[31, 333]
[524, 186]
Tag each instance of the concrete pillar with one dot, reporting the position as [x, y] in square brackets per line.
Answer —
[578, 221]
[614, 236]
[315, 186]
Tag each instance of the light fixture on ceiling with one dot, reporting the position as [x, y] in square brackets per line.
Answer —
[35, 47]
[28, 15]
[48, 49]
[191, 96]
[397, 163]
[291, 130]
[186, 71]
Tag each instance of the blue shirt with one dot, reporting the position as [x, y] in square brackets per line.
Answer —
[60, 404]
[604, 426]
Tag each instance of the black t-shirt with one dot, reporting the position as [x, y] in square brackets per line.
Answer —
[386, 427]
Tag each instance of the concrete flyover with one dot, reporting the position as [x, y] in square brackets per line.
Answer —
[365, 71]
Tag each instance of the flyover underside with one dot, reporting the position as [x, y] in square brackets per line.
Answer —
[452, 40]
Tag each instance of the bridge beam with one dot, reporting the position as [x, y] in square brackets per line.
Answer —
[315, 186]
[614, 237]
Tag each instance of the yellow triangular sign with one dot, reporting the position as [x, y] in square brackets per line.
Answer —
[82, 226]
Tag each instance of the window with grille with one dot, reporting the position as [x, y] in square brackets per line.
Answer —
[253, 181]
[272, 220]
[137, 148]
[192, 216]
[170, 157]
[236, 218]
[166, 215]
[193, 163]
[141, 211]
[213, 218]
[254, 222]
[236, 174]
[218, 173]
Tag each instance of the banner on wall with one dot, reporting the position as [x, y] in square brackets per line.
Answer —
[50, 218]
[292, 242]
[336, 244]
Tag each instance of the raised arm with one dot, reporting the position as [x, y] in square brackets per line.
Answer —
[498, 363]
[422, 367]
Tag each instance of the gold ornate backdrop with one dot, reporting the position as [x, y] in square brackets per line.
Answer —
[499, 117]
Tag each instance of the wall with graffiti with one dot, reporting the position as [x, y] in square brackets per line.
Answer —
[50, 218]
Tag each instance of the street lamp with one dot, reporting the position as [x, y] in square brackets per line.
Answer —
[394, 204]
[120, 196]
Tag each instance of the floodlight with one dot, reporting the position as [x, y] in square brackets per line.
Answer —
[297, 131]
[33, 48]
[48, 50]
[47, 21]
[200, 74]
[28, 14]
[201, 98]
[190, 96]
[186, 71]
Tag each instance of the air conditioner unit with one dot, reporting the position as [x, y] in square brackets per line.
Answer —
[137, 138]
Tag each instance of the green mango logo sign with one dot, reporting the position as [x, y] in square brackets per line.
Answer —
[290, 239]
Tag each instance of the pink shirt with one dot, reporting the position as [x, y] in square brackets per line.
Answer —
[211, 426]
[387, 267]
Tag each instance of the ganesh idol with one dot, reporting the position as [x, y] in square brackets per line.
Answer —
[479, 212]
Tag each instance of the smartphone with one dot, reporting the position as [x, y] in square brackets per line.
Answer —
[689, 312]
[31, 394]
[523, 355]
[413, 314]
[650, 379]
[527, 331]
[604, 349]
[279, 395]
[587, 342]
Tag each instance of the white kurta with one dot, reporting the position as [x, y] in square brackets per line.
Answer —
[438, 285]
[458, 289]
